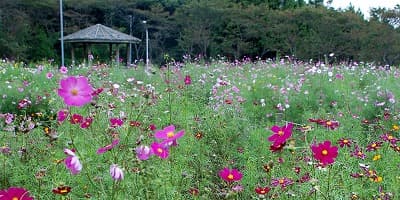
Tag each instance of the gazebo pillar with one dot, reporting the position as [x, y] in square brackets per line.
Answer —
[129, 54]
[117, 54]
[73, 54]
[111, 52]
[85, 48]
[89, 55]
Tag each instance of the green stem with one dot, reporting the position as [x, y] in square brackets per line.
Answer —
[4, 171]
[169, 94]
[329, 181]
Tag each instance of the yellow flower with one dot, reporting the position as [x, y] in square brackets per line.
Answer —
[377, 179]
[376, 157]
[395, 127]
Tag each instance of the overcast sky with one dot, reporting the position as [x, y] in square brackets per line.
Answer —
[365, 5]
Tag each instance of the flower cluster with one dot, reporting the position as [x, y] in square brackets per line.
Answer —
[167, 138]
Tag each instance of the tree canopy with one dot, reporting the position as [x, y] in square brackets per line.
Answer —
[29, 29]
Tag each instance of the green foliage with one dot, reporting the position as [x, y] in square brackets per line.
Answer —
[230, 28]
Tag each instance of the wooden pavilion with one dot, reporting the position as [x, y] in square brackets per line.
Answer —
[100, 34]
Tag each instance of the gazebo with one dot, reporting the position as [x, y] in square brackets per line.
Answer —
[100, 34]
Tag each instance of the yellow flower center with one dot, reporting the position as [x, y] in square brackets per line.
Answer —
[262, 191]
[390, 137]
[328, 123]
[345, 141]
[324, 152]
[74, 92]
[230, 177]
[359, 153]
[373, 145]
[159, 150]
[14, 198]
[281, 181]
[170, 134]
[63, 191]
[280, 133]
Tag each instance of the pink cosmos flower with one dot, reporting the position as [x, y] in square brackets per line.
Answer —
[143, 152]
[116, 172]
[160, 150]
[324, 152]
[230, 175]
[49, 75]
[283, 182]
[108, 147]
[168, 135]
[63, 70]
[188, 80]
[72, 162]
[62, 115]
[281, 134]
[115, 122]
[15, 193]
[76, 91]
[86, 122]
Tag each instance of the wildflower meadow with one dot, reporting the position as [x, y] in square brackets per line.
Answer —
[249, 129]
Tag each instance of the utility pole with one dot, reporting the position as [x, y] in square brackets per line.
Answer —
[62, 33]
[130, 43]
[147, 47]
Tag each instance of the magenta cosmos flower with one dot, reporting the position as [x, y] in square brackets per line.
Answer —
[168, 135]
[15, 193]
[72, 162]
[76, 91]
[160, 150]
[62, 115]
[116, 122]
[324, 152]
[281, 134]
[108, 147]
[230, 175]
[188, 80]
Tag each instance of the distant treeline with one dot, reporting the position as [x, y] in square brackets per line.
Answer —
[30, 30]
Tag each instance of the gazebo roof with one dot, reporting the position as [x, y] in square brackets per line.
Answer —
[100, 34]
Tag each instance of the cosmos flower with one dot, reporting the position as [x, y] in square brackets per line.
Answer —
[63, 70]
[116, 172]
[160, 150]
[62, 115]
[15, 193]
[374, 146]
[115, 122]
[86, 122]
[75, 91]
[168, 135]
[72, 162]
[143, 152]
[283, 182]
[324, 152]
[358, 153]
[262, 190]
[188, 80]
[230, 175]
[108, 147]
[345, 142]
[281, 134]
[63, 190]
[76, 119]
